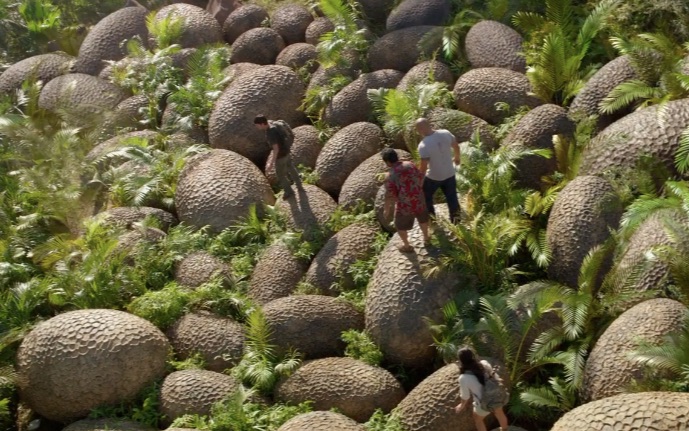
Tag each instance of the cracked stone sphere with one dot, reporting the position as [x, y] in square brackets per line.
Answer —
[80, 360]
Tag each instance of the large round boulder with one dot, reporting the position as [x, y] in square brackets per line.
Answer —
[128, 114]
[84, 359]
[386, 53]
[318, 28]
[609, 370]
[353, 387]
[667, 411]
[43, 67]
[347, 149]
[587, 101]
[400, 298]
[535, 131]
[308, 211]
[291, 21]
[321, 421]
[198, 27]
[493, 44]
[139, 138]
[430, 406]
[219, 340]
[311, 324]
[200, 267]
[126, 217]
[276, 274]
[82, 97]
[646, 132]
[218, 188]
[260, 45]
[580, 219]
[363, 183]
[411, 13]
[426, 72]
[274, 91]
[329, 269]
[243, 19]
[299, 55]
[479, 90]
[464, 126]
[190, 392]
[351, 104]
[106, 40]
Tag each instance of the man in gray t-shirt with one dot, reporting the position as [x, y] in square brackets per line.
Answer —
[438, 150]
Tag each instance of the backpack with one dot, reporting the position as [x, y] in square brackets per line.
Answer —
[495, 394]
[285, 132]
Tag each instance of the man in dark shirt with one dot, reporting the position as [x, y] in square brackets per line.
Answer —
[404, 191]
[280, 156]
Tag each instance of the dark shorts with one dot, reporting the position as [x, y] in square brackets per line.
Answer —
[406, 221]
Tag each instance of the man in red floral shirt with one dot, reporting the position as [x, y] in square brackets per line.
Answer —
[404, 184]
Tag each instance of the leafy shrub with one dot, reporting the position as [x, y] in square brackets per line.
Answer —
[361, 347]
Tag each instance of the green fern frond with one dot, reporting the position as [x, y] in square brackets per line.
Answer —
[529, 21]
[540, 397]
[627, 93]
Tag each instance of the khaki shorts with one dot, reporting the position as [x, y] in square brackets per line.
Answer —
[406, 221]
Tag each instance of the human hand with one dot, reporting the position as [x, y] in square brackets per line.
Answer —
[457, 161]
[459, 408]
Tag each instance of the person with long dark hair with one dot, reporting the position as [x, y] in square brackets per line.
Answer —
[472, 377]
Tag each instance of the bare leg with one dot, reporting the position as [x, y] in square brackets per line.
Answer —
[424, 231]
[404, 237]
[478, 421]
[501, 417]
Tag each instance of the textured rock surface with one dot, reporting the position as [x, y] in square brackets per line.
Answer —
[645, 411]
[376, 10]
[318, 28]
[81, 96]
[298, 55]
[410, 13]
[219, 340]
[274, 91]
[430, 405]
[651, 233]
[331, 263]
[477, 91]
[379, 207]
[311, 324]
[106, 425]
[363, 183]
[535, 131]
[83, 359]
[463, 126]
[427, 71]
[386, 53]
[127, 216]
[321, 421]
[291, 21]
[642, 132]
[346, 150]
[200, 267]
[276, 274]
[608, 369]
[259, 45]
[193, 392]
[43, 67]
[399, 298]
[588, 100]
[118, 142]
[493, 44]
[127, 114]
[198, 26]
[305, 149]
[355, 388]
[580, 219]
[243, 19]
[308, 211]
[104, 41]
[218, 188]
[351, 104]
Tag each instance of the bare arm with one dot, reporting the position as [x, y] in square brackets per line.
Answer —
[423, 166]
[463, 405]
[273, 156]
[455, 150]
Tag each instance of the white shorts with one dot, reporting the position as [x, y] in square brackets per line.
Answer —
[479, 411]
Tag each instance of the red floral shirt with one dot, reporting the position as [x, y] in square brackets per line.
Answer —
[405, 185]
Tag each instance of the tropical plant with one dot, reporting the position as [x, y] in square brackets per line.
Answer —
[240, 412]
[558, 52]
[143, 409]
[318, 97]
[260, 367]
[379, 421]
[165, 31]
[348, 42]
[361, 347]
[669, 358]
[398, 110]
[658, 62]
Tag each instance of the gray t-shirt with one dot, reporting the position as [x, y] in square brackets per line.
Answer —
[437, 149]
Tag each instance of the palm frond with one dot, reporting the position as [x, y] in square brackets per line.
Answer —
[627, 93]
